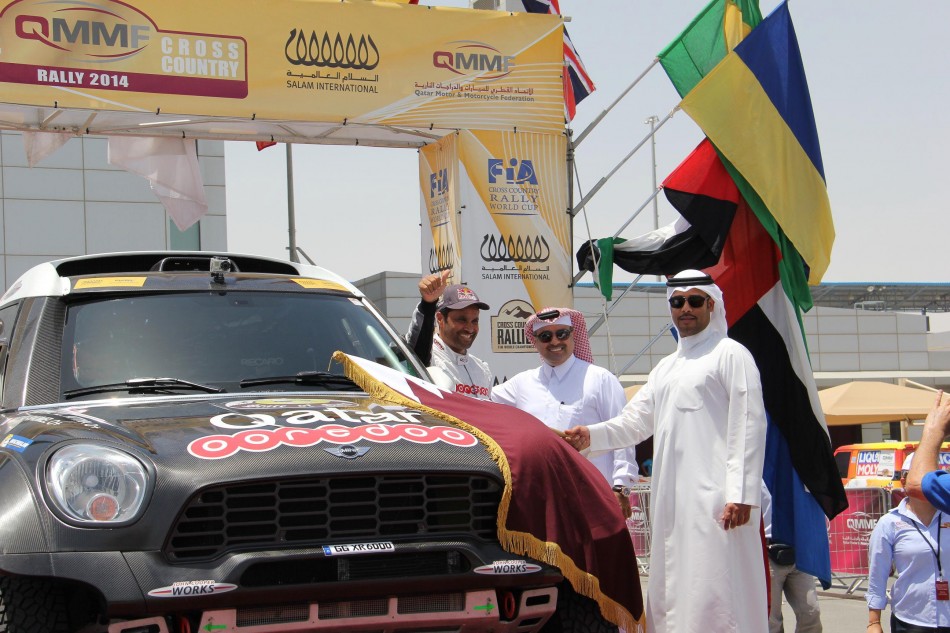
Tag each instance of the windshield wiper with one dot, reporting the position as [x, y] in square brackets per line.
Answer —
[305, 378]
[144, 384]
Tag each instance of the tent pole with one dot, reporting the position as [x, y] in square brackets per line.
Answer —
[291, 221]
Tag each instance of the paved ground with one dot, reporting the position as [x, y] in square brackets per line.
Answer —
[840, 612]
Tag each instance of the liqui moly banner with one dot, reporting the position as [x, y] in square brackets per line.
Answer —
[299, 60]
[514, 245]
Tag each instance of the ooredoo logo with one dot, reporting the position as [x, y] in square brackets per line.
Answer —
[468, 57]
[261, 440]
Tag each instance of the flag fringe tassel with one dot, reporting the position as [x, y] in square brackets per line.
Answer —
[520, 543]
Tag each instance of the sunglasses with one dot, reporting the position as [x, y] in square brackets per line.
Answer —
[547, 335]
[695, 301]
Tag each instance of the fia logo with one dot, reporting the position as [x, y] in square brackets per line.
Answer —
[516, 173]
[439, 183]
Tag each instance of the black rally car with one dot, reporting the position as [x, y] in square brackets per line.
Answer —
[179, 454]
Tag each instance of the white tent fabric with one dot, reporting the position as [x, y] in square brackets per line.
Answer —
[171, 167]
[861, 402]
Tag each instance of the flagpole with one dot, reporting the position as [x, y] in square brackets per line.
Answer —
[603, 181]
[666, 328]
[291, 221]
[643, 206]
[623, 94]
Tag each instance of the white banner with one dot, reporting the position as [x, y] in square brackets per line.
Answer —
[510, 237]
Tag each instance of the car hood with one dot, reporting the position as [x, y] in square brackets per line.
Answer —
[208, 439]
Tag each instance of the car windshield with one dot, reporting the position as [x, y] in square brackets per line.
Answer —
[220, 338]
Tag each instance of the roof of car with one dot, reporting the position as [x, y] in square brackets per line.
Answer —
[128, 270]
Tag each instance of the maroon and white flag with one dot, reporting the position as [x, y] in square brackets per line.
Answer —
[556, 506]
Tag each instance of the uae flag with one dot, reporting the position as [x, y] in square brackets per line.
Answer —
[706, 198]
[762, 314]
[556, 507]
[759, 289]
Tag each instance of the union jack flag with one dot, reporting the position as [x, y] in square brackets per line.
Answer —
[577, 83]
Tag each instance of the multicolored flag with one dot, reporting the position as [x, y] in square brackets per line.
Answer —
[577, 83]
[592, 547]
[705, 196]
[707, 40]
[756, 109]
[763, 277]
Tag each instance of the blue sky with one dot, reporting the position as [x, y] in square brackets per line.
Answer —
[879, 83]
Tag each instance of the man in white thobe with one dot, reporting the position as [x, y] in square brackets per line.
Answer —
[568, 389]
[703, 406]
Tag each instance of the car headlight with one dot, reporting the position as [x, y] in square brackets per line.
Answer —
[96, 484]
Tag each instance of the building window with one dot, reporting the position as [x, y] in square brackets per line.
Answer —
[187, 240]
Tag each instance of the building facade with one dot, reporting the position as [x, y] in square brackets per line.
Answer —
[74, 203]
[844, 344]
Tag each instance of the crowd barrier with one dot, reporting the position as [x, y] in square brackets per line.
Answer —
[850, 532]
[639, 525]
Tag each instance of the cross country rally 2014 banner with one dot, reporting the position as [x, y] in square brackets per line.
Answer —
[306, 60]
[494, 212]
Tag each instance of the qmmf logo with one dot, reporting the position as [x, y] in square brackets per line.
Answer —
[439, 183]
[515, 172]
[91, 32]
[474, 57]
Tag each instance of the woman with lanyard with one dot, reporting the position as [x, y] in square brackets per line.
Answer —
[909, 538]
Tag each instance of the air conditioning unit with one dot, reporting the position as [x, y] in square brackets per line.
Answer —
[489, 5]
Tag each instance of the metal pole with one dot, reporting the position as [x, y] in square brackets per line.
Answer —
[623, 94]
[603, 317]
[571, 167]
[291, 221]
[603, 181]
[643, 206]
[666, 328]
[652, 119]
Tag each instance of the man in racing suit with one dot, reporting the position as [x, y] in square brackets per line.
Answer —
[455, 309]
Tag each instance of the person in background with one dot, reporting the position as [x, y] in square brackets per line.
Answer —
[925, 481]
[703, 406]
[455, 309]
[909, 539]
[568, 389]
[798, 587]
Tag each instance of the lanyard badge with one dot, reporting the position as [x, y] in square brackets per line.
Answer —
[942, 586]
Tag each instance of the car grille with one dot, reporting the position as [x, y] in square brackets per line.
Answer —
[320, 511]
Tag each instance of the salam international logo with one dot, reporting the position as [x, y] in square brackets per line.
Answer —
[441, 258]
[323, 50]
[520, 249]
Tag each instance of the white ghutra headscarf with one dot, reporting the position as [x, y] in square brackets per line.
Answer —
[698, 280]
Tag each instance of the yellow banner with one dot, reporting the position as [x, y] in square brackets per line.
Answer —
[438, 184]
[519, 215]
[308, 60]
